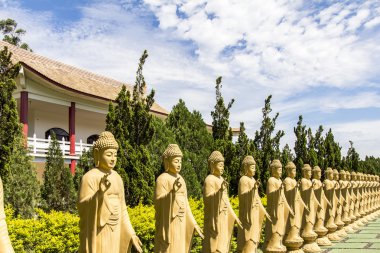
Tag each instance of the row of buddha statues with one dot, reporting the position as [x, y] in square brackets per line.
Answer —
[300, 216]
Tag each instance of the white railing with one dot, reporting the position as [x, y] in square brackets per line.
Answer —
[39, 147]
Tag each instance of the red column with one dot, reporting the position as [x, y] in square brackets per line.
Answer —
[72, 136]
[24, 112]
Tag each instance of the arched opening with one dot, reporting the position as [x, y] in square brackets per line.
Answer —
[92, 138]
[59, 133]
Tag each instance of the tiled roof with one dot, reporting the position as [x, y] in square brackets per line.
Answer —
[71, 78]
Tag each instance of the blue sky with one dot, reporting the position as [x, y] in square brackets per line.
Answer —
[317, 58]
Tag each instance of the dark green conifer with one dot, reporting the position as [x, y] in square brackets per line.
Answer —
[58, 188]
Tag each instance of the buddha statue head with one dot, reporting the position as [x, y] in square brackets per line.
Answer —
[353, 176]
[249, 166]
[348, 175]
[216, 163]
[306, 171]
[172, 159]
[336, 174]
[329, 173]
[276, 168]
[290, 170]
[342, 175]
[360, 176]
[105, 151]
[317, 173]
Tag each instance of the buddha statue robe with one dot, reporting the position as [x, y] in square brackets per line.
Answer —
[331, 210]
[174, 221]
[309, 216]
[219, 218]
[274, 231]
[292, 238]
[251, 214]
[104, 224]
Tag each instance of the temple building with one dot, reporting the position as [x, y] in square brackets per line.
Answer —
[71, 102]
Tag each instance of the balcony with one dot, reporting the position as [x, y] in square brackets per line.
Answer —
[38, 148]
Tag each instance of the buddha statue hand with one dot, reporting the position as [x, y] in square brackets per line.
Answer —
[199, 231]
[137, 243]
[104, 184]
[224, 185]
[258, 183]
[177, 185]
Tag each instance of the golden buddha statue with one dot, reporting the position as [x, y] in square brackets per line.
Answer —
[219, 218]
[251, 210]
[104, 221]
[175, 224]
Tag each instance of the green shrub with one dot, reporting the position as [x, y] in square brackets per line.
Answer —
[57, 232]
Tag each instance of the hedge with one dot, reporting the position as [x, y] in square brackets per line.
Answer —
[57, 232]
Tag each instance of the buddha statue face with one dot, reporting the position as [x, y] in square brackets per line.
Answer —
[173, 164]
[291, 172]
[317, 174]
[277, 171]
[217, 168]
[330, 175]
[105, 151]
[342, 175]
[306, 173]
[250, 169]
[107, 158]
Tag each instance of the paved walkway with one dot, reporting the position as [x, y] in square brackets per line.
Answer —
[366, 240]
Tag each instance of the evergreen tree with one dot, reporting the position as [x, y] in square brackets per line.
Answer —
[311, 149]
[242, 149]
[352, 159]
[320, 147]
[286, 155]
[161, 138]
[58, 189]
[300, 146]
[85, 163]
[23, 189]
[221, 131]
[267, 146]
[195, 142]
[131, 123]
[221, 115]
[332, 156]
[9, 121]
[11, 34]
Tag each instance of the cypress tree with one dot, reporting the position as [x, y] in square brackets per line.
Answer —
[221, 131]
[195, 142]
[131, 123]
[320, 148]
[85, 163]
[9, 121]
[311, 149]
[300, 145]
[23, 189]
[267, 145]
[333, 155]
[161, 138]
[352, 158]
[58, 189]
[286, 155]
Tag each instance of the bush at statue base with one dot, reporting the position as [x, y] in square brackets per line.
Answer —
[48, 232]
[59, 231]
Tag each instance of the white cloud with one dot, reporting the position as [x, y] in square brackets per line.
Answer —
[259, 47]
